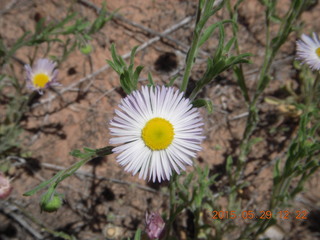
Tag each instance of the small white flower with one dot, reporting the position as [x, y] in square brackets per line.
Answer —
[308, 51]
[158, 131]
[42, 75]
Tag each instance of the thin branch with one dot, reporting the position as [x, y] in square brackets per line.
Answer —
[149, 31]
[87, 174]
[22, 161]
[10, 210]
[127, 21]
[105, 67]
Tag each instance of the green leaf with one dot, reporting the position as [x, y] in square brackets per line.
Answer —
[125, 84]
[43, 184]
[209, 31]
[136, 76]
[241, 82]
[130, 70]
[133, 53]
[101, 19]
[115, 56]
[151, 82]
[128, 77]
[114, 66]
[89, 150]
[220, 47]
[203, 103]
[275, 19]
[78, 154]
[229, 45]
[229, 165]
[171, 82]
[40, 25]
[241, 58]
[123, 63]
[137, 236]
[81, 26]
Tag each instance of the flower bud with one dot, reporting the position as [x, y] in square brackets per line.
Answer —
[52, 205]
[154, 225]
[87, 49]
[5, 187]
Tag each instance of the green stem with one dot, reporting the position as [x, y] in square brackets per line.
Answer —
[279, 191]
[314, 91]
[172, 215]
[234, 16]
[270, 52]
[195, 92]
[253, 117]
[192, 51]
[63, 174]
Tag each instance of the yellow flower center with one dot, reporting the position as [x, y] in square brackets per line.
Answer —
[157, 134]
[40, 80]
[318, 51]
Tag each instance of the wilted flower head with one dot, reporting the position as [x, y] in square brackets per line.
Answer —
[42, 75]
[158, 130]
[154, 225]
[5, 187]
[308, 51]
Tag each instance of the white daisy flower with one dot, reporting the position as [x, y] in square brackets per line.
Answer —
[42, 75]
[308, 51]
[158, 131]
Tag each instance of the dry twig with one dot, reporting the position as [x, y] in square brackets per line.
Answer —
[105, 67]
[13, 212]
[22, 161]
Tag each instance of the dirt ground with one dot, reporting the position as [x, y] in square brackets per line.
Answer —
[102, 196]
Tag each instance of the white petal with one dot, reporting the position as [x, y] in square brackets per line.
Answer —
[306, 51]
[135, 111]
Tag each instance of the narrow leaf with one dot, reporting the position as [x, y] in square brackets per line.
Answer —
[241, 82]
[203, 103]
[133, 53]
[136, 76]
[150, 79]
[137, 236]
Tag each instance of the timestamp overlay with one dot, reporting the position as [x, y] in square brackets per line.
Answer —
[263, 214]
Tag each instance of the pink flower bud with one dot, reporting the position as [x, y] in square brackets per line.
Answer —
[5, 188]
[154, 225]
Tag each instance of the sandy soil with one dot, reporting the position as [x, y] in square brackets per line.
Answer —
[104, 196]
